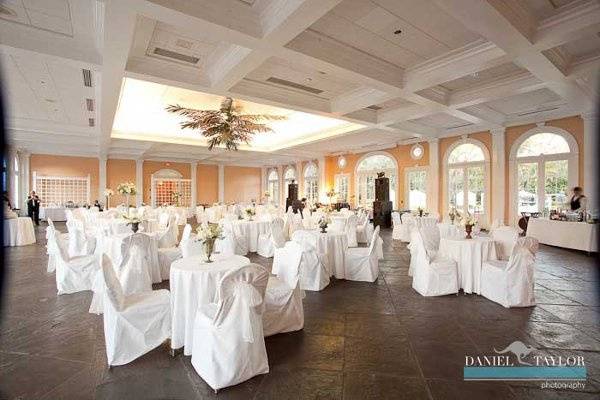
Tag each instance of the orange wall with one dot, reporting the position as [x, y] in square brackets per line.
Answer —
[207, 178]
[242, 184]
[151, 167]
[44, 164]
[400, 153]
[118, 171]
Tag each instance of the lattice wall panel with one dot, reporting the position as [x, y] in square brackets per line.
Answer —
[59, 190]
[164, 189]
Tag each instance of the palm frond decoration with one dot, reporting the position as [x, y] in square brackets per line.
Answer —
[227, 126]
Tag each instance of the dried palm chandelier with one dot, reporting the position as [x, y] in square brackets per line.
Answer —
[227, 126]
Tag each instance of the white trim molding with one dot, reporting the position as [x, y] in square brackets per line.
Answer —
[572, 157]
[498, 173]
[357, 177]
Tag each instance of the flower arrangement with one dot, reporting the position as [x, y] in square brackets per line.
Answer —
[453, 214]
[133, 220]
[468, 221]
[250, 212]
[207, 235]
[420, 211]
[176, 197]
[108, 192]
[127, 188]
[323, 223]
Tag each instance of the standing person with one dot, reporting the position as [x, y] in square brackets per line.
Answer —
[33, 207]
[578, 200]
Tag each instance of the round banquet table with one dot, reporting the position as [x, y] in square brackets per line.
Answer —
[449, 230]
[469, 255]
[425, 221]
[331, 245]
[250, 230]
[193, 283]
[18, 231]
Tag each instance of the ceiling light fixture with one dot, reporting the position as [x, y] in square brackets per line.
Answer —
[342, 162]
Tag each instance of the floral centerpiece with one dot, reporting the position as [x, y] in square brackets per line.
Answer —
[133, 220]
[453, 214]
[208, 235]
[127, 189]
[266, 195]
[330, 195]
[176, 197]
[250, 213]
[468, 221]
[323, 223]
[108, 193]
[420, 211]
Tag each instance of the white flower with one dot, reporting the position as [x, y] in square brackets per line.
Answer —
[108, 192]
[468, 219]
[127, 188]
[208, 232]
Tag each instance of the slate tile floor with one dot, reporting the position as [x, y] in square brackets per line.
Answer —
[360, 341]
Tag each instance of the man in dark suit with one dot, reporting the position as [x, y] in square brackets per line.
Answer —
[33, 207]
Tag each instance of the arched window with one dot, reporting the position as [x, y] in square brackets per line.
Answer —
[542, 161]
[311, 183]
[366, 173]
[273, 186]
[466, 178]
[288, 177]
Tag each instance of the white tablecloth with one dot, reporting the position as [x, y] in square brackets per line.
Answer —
[449, 230]
[469, 254]
[425, 221]
[18, 231]
[250, 231]
[332, 245]
[570, 235]
[54, 213]
[194, 282]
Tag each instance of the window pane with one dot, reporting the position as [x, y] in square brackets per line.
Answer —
[456, 187]
[556, 184]
[467, 152]
[528, 181]
[417, 190]
[377, 162]
[341, 188]
[475, 187]
[543, 143]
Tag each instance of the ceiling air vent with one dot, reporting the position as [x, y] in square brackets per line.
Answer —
[374, 108]
[91, 122]
[176, 56]
[294, 85]
[87, 77]
[89, 104]
[538, 111]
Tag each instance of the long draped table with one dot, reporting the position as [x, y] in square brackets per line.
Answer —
[570, 235]
[18, 231]
[469, 255]
[193, 283]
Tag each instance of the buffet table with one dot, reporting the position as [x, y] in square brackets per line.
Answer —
[54, 213]
[570, 235]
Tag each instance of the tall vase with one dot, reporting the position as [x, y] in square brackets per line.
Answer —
[107, 202]
[127, 203]
[209, 246]
[469, 229]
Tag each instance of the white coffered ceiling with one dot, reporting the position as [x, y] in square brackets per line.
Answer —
[384, 71]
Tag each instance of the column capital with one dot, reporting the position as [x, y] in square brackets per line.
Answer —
[433, 140]
[194, 163]
[139, 161]
[498, 131]
[589, 116]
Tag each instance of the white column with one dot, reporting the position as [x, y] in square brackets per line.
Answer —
[139, 182]
[281, 184]
[498, 175]
[10, 164]
[263, 182]
[434, 177]
[193, 171]
[101, 176]
[590, 160]
[299, 179]
[221, 183]
[322, 180]
[25, 168]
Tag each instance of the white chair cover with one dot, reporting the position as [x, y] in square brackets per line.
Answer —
[229, 346]
[505, 238]
[364, 230]
[134, 272]
[362, 263]
[133, 325]
[313, 273]
[79, 243]
[511, 283]
[234, 241]
[169, 254]
[431, 277]
[407, 223]
[267, 242]
[73, 274]
[351, 231]
[396, 226]
[431, 239]
[168, 237]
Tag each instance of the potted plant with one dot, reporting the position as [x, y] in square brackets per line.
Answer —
[208, 235]
[468, 221]
[176, 197]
